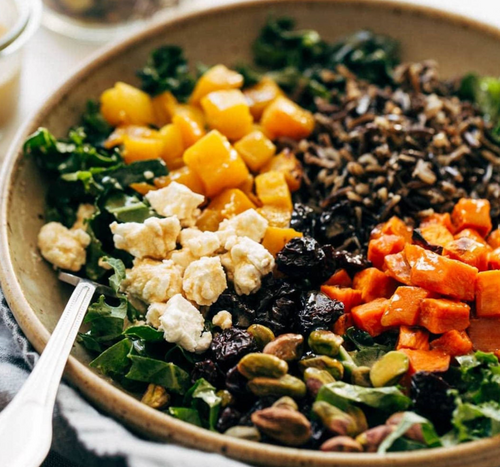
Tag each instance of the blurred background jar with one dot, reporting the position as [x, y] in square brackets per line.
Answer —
[19, 19]
[100, 20]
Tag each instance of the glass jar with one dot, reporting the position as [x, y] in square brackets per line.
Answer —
[100, 20]
[19, 19]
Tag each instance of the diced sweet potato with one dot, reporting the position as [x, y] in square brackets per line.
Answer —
[276, 238]
[441, 275]
[488, 294]
[340, 278]
[440, 315]
[472, 214]
[436, 234]
[397, 267]
[368, 317]
[474, 235]
[453, 343]
[442, 219]
[374, 284]
[468, 251]
[485, 334]
[494, 239]
[349, 297]
[343, 324]
[385, 245]
[394, 226]
[404, 306]
[494, 259]
[413, 338]
[427, 360]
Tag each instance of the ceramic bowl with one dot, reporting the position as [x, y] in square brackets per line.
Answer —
[224, 35]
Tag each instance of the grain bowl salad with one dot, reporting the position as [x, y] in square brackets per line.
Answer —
[305, 250]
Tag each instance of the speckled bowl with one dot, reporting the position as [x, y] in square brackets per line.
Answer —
[224, 35]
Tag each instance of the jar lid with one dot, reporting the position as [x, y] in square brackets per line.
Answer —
[27, 23]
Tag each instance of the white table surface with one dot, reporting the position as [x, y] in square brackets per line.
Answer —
[49, 58]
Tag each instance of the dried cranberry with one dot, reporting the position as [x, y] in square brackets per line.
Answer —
[318, 312]
[351, 262]
[206, 369]
[303, 219]
[228, 418]
[236, 383]
[231, 344]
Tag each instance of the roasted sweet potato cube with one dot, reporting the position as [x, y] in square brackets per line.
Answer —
[485, 334]
[440, 315]
[442, 219]
[427, 360]
[343, 324]
[385, 245]
[374, 284]
[488, 294]
[368, 317]
[453, 343]
[404, 306]
[394, 226]
[340, 278]
[494, 239]
[474, 235]
[413, 338]
[436, 234]
[472, 214]
[276, 238]
[397, 267]
[494, 259]
[349, 297]
[468, 251]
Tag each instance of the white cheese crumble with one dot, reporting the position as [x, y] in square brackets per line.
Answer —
[85, 212]
[153, 281]
[181, 324]
[223, 319]
[62, 247]
[204, 280]
[176, 200]
[154, 238]
[199, 243]
[247, 224]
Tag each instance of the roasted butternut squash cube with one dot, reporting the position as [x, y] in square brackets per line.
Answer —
[228, 112]
[141, 149]
[277, 216]
[272, 189]
[230, 203]
[474, 235]
[191, 122]
[440, 315]
[404, 306]
[494, 259]
[291, 167]
[494, 239]
[453, 343]
[216, 78]
[394, 226]
[367, 317]
[164, 107]
[436, 234]
[468, 251]
[184, 176]
[284, 117]
[487, 294]
[397, 267]
[442, 219]
[276, 238]
[208, 220]
[255, 149]
[374, 284]
[173, 146]
[427, 360]
[126, 105]
[413, 338]
[472, 214]
[216, 162]
[385, 245]
[261, 95]
[133, 131]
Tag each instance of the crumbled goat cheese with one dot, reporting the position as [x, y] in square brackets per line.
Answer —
[181, 324]
[248, 262]
[154, 238]
[204, 280]
[182, 258]
[223, 319]
[176, 200]
[153, 281]
[85, 212]
[199, 243]
[247, 224]
[62, 247]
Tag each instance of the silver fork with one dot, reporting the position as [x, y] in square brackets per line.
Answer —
[26, 423]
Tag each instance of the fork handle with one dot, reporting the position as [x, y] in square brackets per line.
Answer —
[26, 423]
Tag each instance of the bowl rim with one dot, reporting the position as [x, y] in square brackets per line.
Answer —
[115, 401]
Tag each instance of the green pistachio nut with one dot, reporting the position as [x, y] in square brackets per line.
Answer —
[286, 402]
[325, 343]
[341, 444]
[156, 397]
[371, 439]
[262, 335]
[285, 386]
[360, 376]
[389, 369]
[254, 365]
[335, 420]
[359, 417]
[249, 433]
[316, 378]
[322, 362]
[288, 347]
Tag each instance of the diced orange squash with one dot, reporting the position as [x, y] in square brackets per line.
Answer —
[485, 334]
[413, 338]
[468, 251]
[394, 226]
[374, 284]
[436, 234]
[216, 78]
[261, 95]
[368, 317]
[397, 267]
[427, 360]
[272, 189]
[228, 112]
[132, 131]
[276, 238]
[216, 163]
[440, 315]
[208, 220]
[494, 239]
[340, 278]
[442, 219]
[173, 146]
[230, 203]
[494, 259]
[291, 167]
[142, 187]
[343, 324]
[283, 117]
[488, 294]
[453, 343]
[472, 214]
[404, 306]
[255, 149]
[474, 235]
[441, 275]
[349, 297]
[277, 216]
[247, 188]
[191, 123]
[385, 245]
[126, 105]
[140, 149]
[164, 107]
[184, 176]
